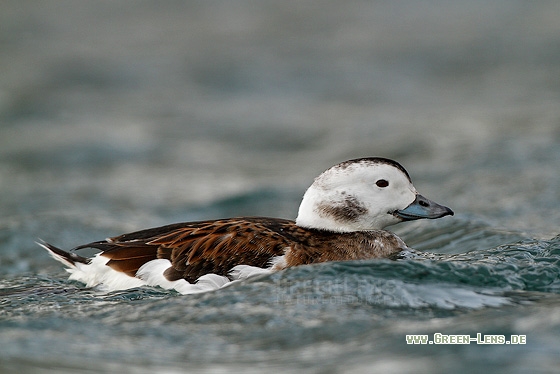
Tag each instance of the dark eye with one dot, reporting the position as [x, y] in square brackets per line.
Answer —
[382, 183]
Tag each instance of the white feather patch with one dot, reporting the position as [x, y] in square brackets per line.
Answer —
[241, 272]
[278, 263]
[152, 274]
[97, 273]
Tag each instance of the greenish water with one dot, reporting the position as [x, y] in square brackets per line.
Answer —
[120, 116]
[349, 316]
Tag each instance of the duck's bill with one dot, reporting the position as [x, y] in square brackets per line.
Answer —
[423, 208]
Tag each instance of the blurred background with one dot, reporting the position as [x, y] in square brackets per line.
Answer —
[121, 115]
[140, 106]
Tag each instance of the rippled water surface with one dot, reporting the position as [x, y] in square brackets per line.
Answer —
[117, 116]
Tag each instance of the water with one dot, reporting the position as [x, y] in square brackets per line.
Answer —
[121, 116]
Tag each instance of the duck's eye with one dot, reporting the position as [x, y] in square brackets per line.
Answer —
[382, 183]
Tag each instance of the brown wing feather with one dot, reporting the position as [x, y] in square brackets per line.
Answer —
[129, 259]
[199, 248]
[219, 246]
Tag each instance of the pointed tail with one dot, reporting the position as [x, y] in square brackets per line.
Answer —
[67, 258]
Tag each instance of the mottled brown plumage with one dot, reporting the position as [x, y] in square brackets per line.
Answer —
[198, 248]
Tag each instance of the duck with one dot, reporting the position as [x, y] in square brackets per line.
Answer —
[342, 217]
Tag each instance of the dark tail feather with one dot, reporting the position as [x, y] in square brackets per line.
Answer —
[66, 258]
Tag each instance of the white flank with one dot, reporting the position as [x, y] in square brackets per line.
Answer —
[241, 272]
[279, 262]
[98, 274]
[152, 273]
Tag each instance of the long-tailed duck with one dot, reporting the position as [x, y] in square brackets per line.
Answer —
[341, 217]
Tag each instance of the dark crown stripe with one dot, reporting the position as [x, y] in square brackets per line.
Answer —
[375, 160]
